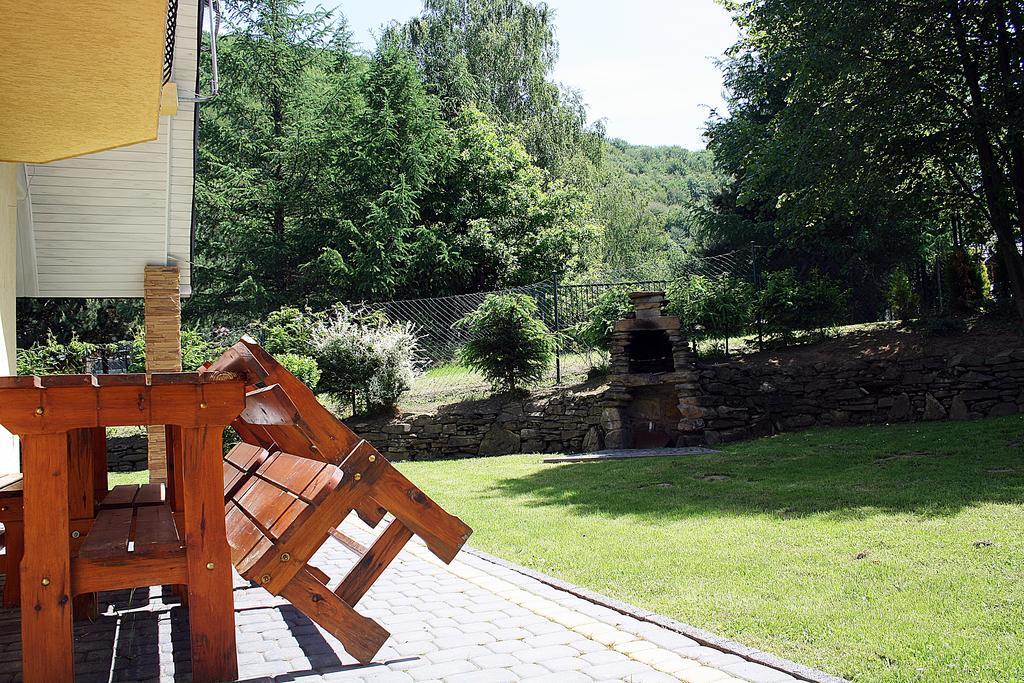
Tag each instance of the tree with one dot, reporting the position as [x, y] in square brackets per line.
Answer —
[95, 321]
[397, 145]
[633, 241]
[268, 164]
[498, 55]
[493, 219]
[326, 176]
[507, 342]
[859, 133]
[712, 308]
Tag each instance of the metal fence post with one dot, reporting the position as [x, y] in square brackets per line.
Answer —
[757, 296]
[558, 339]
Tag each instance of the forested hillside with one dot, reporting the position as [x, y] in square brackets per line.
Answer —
[873, 153]
[671, 182]
[871, 138]
[445, 162]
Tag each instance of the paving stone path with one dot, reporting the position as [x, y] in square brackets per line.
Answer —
[471, 621]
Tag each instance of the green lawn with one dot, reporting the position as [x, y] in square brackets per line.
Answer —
[879, 554]
[118, 478]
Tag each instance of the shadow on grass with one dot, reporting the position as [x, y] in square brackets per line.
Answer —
[929, 469]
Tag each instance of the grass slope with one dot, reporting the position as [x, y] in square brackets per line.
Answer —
[889, 553]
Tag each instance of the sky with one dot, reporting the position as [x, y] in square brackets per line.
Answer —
[644, 66]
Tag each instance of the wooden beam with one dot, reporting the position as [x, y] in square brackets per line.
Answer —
[131, 571]
[208, 557]
[47, 646]
[269, 406]
[373, 563]
[30, 410]
[362, 637]
[443, 533]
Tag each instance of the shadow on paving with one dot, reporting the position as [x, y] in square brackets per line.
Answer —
[929, 469]
[126, 645]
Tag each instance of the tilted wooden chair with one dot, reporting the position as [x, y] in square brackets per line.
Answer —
[298, 473]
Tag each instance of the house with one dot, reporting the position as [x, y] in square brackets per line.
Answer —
[98, 120]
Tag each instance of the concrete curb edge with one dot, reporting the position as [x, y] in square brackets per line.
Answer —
[798, 671]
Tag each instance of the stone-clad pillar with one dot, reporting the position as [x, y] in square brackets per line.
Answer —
[163, 347]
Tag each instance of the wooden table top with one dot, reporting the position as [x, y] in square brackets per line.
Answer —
[61, 403]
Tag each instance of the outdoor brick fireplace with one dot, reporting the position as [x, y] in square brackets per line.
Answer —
[653, 399]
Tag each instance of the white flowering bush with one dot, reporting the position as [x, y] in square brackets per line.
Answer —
[366, 356]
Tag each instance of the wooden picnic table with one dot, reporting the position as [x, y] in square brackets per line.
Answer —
[74, 545]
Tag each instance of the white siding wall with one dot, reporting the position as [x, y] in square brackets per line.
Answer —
[100, 219]
[8, 249]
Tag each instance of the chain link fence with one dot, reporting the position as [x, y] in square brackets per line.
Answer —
[562, 307]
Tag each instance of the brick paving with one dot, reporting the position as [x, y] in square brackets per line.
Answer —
[471, 621]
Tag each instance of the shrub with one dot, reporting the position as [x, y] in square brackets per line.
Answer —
[900, 295]
[941, 326]
[55, 358]
[289, 330]
[368, 356]
[712, 308]
[508, 344]
[596, 334]
[786, 305]
[968, 282]
[196, 349]
[303, 367]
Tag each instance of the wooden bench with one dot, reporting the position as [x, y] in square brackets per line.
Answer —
[142, 531]
[296, 477]
[134, 495]
[74, 547]
[12, 517]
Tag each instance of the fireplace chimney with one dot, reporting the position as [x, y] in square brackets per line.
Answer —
[653, 398]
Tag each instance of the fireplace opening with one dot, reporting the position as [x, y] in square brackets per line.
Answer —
[652, 417]
[650, 351]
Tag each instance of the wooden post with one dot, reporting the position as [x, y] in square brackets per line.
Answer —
[48, 649]
[83, 473]
[163, 347]
[175, 490]
[98, 453]
[211, 613]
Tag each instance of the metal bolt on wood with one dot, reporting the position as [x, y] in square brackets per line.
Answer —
[357, 476]
[285, 557]
[210, 565]
[46, 582]
[265, 578]
[40, 410]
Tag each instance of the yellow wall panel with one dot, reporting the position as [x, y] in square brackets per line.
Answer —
[78, 77]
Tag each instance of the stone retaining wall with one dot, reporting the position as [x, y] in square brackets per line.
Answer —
[742, 401]
[127, 453]
[736, 400]
[553, 422]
